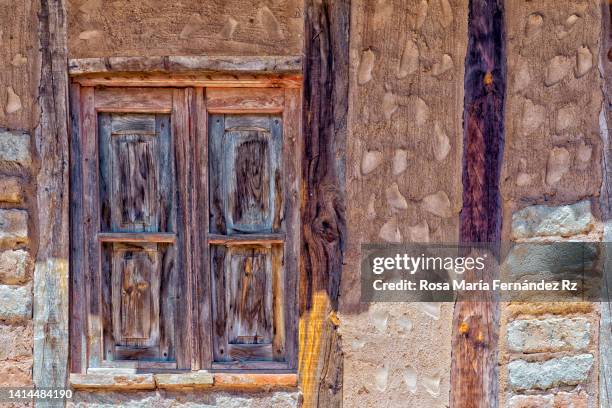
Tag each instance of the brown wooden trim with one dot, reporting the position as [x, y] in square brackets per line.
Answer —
[137, 365]
[78, 304]
[137, 237]
[179, 63]
[185, 349]
[292, 166]
[246, 381]
[121, 379]
[250, 365]
[250, 239]
[143, 100]
[244, 100]
[91, 213]
[325, 110]
[216, 80]
[203, 292]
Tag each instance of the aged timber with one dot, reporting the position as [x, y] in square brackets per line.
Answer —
[325, 108]
[605, 201]
[51, 273]
[474, 376]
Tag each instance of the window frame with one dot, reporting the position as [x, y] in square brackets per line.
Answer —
[190, 105]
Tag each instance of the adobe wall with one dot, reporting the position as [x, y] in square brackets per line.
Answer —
[403, 185]
[98, 28]
[551, 185]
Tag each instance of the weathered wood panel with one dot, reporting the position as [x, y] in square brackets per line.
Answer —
[605, 202]
[135, 285]
[325, 109]
[51, 281]
[245, 162]
[225, 100]
[134, 100]
[248, 305]
[474, 368]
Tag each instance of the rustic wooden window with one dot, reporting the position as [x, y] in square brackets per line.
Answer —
[185, 228]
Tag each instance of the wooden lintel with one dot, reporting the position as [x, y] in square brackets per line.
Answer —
[190, 79]
[179, 63]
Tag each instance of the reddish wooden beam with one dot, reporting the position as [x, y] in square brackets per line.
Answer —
[474, 376]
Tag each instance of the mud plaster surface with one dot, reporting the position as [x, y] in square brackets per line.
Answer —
[403, 184]
[19, 64]
[554, 98]
[98, 28]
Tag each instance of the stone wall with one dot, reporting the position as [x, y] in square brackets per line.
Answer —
[19, 72]
[551, 182]
[15, 260]
[186, 399]
[403, 185]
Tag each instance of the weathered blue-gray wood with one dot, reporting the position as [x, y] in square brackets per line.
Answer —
[51, 296]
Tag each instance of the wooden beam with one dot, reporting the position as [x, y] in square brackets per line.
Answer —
[325, 108]
[474, 369]
[51, 217]
[605, 202]
[179, 63]
[190, 79]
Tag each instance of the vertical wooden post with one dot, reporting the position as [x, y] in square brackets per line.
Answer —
[605, 202]
[51, 272]
[325, 109]
[474, 376]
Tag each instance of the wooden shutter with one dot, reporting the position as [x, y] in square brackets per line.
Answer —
[248, 239]
[138, 281]
[187, 202]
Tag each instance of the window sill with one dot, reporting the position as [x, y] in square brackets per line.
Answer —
[124, 380]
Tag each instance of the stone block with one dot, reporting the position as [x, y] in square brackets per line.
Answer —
[555, 334]
[14, 150]
[16, 374]
[523, 375]
[530, 401]
[544, 221]
[13, 226]
[11, 190]
[15, 302]
[15, 266]
[574, 399]
[16, 341]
